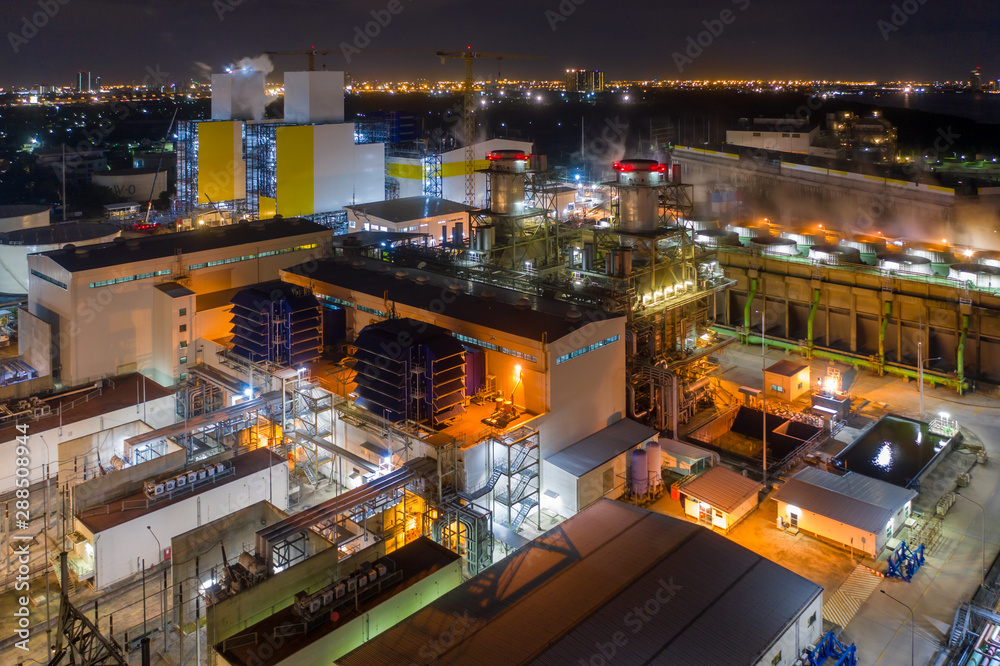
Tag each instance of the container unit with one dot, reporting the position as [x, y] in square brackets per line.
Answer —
[835, 254]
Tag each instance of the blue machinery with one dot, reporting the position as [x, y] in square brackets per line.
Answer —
[903, 562]
[828, 647]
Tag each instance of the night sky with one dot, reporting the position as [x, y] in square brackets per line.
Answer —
[629, 39]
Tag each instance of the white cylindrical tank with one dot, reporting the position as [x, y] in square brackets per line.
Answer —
[506, 174]
[654, 464]
[15, 246]
[640, 473]
[638, 194]
[981, 276]
[23, 217]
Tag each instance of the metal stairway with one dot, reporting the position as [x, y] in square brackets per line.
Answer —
[959, 626]
[526, 507]
[498, 471]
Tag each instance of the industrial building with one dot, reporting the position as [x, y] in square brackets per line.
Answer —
[310, 164]
[686, 596]
[850, 510]
[683, 459]
[595, 467]
[137, 304]
[719, 497]
[786, 380]
[441, 220]
[16, 245]
[173, 502]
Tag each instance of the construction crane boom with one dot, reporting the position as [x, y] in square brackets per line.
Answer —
[469, 56]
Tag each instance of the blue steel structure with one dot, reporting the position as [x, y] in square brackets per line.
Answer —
[829, 647]
[277, 322]
[903, 562]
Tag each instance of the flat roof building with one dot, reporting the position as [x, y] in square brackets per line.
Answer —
[108, 316]
[620, 583]
[720, 498]
[442, 220]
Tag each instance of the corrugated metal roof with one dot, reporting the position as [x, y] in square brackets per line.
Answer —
[852, 499]
[721, 488]
[559, 598]
[684, 449]
[592, 452]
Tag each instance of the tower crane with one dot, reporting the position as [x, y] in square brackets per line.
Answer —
[469, 56]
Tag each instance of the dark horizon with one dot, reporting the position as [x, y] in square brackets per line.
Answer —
[47, 41]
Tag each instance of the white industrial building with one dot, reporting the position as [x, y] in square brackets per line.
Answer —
[110, 310]
[719, 498]
[442, 220]
[625, 584]
[23, 216]
[55, 437]
[16, 245]
[592, 468]
[850, 510]
[784, 137]
[410, 173]
[562, 366]
[122, 533]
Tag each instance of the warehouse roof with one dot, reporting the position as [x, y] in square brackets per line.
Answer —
[721, 488]
[408, 209]
[592, 452]
[852, 499]
[137, 250]
[787, 368]
[575, 587]
[684, 449]
[484, 305]
[53, 234]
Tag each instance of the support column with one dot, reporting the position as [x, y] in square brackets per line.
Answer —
[883, 325]
[963, 336]
[809, 325]
[747, 308]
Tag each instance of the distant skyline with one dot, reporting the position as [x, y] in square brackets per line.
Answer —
[47, 41]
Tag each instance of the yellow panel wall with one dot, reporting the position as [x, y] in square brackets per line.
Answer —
[295, 172]
[221, 170]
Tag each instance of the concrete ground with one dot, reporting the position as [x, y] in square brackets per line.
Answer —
[881, 627]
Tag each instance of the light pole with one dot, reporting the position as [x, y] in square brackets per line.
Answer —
[763, 399]
[911, 620]
[159, 549]
[982, 570]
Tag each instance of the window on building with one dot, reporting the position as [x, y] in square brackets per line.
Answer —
[777, 389]
[589, 348]
[800, 385]
[184, 328]
[61, 285]
[776, 660]
[785, 136]
[796, 136]
[184, 344]
[184, 360]
[184, 376]
[183, 312]
[756, 133]
[609, 480]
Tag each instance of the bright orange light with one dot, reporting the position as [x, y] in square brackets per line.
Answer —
[517, 373]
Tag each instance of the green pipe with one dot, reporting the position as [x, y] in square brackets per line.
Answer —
[869, 363]
[812, 315]
[961, 353]
[881, 334]
[746, 308]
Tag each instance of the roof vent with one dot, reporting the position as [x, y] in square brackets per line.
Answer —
[81, 252]
[574, 316]
[132, 244]
[455, 288]
[357, 263]
[422, 279]
[523, 304]
[402, 275]
[488, 295]
[69, 247]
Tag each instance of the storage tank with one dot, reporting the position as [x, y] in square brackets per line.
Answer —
[775, 245]
[940, 255]
[23, 217]
[835, 254]
[748, 230]
[980, 275]
[988, 258]
[868, 246]
[640, 473]
[15, 246]
[618, 262]
[655, 466]
[906, 263]
[638, 194]
[506, 174]
[717, 238]
[485, 238]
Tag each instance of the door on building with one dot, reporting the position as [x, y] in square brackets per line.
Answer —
[793, 519]
[704, 513]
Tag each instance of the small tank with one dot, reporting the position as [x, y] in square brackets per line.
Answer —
[775, 245]
[835, 254]
[980, 276]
